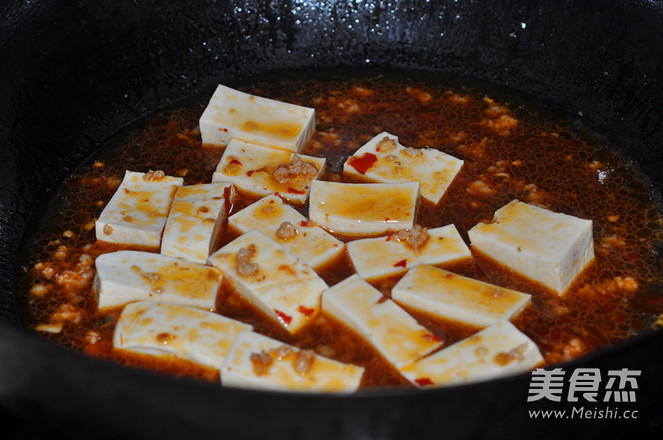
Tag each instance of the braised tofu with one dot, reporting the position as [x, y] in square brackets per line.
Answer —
[450, 296]
[137, 212]
[127, 276]
[157, 328]
[234, 114]
[256, 361]
[285, 225]
[272, 279]
[258, 171]
[195, 221]
[496, 351]
[376, 258]
[384, 159]
[363, 208]
[548, 247]
[379, 320]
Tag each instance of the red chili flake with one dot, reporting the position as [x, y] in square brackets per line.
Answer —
[235, 162]
[402, 263]
[306, 311]
[126, 191]
[295, 191]
[225, 130]
[424, 381]
[386, 219]
[249, 173]
[304, 223]
[363, 163]
[285, 318]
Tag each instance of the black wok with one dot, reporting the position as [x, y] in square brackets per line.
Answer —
[73, 73]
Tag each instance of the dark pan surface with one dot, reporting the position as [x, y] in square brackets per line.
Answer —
[74, 73]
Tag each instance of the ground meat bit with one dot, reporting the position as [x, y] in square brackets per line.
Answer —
[39, 290]
[80, 277]
[61, 252]
[286, 231]
[386, 145]
[282, 352]
[479, 190]
[502, 125]
[414, 238]
[294, 171]
[67, 312]
[413, 152]
[459, 99]
[92, 337]
[303, 361]
[108, 229]
[349, 106]
[154, 176]
[420, 95]
[261, 362]
[244, 267]
[574, 348]
[362, 92]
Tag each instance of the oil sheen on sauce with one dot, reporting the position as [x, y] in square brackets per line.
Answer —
[512, 148]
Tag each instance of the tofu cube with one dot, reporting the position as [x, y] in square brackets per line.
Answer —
[196, 220]
[160, 329]
[127, 276]
[137, 212]
[258, 171]
[377, 258]
[547, 247]
[496, 351]
[305, 240]
[450, 296]
[363, 209]
[234, 114]
[256, 361]
[384, 159]
[396, 335]
[272, 279]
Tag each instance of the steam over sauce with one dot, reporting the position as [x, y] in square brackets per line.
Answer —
[511, 150]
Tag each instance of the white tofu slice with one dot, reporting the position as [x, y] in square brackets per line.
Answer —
[283, 287]
[448, 295]
[195, 221]
[127, 276]
[545, 246]
[496, 351]
[363, 208]
[379, 320]
[384, 159]
[376, 258]
[234, 114]
[159, 329]
[252, 168]
[286, 368]
[137, 212]
[311, 243]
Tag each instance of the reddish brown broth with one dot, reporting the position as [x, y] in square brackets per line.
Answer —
[509, 152]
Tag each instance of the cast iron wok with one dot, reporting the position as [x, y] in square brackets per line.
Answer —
[74, 73]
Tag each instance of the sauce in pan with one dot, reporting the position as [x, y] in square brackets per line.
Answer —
[511, 148]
